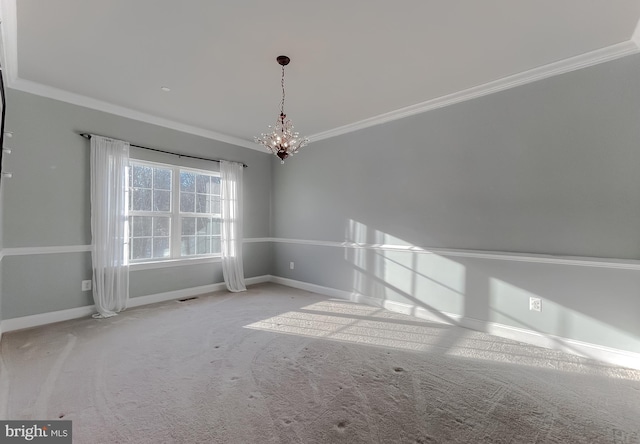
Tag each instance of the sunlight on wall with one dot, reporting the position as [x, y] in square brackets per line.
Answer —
[371, 326]
[512, 301]
[507, 303]
[432, 278]
[388, 268]
[409, 279]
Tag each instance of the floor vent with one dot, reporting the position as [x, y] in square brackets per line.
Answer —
[187, 299]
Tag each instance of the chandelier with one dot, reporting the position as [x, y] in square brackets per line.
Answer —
[281, 140]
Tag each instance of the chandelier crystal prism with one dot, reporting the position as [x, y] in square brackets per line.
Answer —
[281, 140]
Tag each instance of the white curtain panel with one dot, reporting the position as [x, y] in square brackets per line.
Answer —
[109, 161]
[231, 195]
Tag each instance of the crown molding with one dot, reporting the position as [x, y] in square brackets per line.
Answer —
[100, 105]
[9, 59]
[9, 55]
[542, 72]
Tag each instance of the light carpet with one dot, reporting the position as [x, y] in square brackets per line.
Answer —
[278, 365]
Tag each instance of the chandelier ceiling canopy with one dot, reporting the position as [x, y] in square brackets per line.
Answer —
[281, 140]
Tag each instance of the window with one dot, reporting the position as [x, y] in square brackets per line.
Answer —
[199, 213]
[174, 212]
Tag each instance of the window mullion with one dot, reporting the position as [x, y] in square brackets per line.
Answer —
[150, 213]
[175, 214]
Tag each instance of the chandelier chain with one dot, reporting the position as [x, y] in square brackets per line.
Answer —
[282, 83]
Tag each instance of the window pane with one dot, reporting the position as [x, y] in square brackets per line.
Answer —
[202, 201]
[187, 202]
[202, 183]
[141, 226]
[215, 185]
[215, 204]
[141, 200]
[188, 245]
[188, 225]
[141, 248]
[215, 227]
[204, 226]
[161, 226]
[142, 176]
[215, 245]
[161, 179]
[161, 200]
[151, 188]
[187, 181]
[161, 247]
[203, 245]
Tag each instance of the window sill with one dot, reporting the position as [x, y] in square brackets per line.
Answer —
[174, 263]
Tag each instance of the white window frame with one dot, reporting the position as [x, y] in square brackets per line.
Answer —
[175, 239]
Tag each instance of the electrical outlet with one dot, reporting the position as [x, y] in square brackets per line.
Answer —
[535, 304]
[291, 264]
[86, 285]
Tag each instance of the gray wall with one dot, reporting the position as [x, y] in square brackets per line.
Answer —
[7, 144]
[548, 168]
[1, 263]
[47, 203]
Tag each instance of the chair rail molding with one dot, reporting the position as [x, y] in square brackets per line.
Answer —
[625, 264]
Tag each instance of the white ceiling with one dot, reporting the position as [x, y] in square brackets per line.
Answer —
[354, 63]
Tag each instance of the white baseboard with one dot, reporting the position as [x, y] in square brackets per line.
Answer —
[258, 279]
[592, 351]
[176, 294]
[73, 313]
[587, 350]
[46, 318]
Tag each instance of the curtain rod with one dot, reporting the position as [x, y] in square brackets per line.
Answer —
[88, 136]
